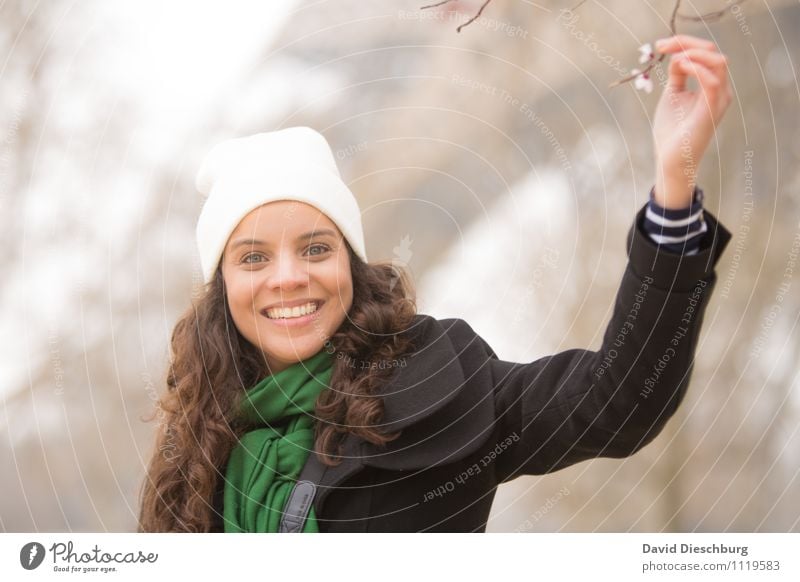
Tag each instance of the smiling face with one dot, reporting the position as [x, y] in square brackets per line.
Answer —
[287, 279]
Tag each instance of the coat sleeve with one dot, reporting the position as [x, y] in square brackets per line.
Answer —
[580, 404]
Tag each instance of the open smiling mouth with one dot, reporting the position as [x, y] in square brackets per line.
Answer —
[296, 315]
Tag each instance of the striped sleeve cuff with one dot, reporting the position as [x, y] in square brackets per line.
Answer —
[679, 230]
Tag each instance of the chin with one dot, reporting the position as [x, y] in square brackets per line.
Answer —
[292, 354]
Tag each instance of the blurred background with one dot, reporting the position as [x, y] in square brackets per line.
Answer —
[496, 163]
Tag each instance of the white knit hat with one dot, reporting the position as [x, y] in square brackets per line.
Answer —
[241, 174]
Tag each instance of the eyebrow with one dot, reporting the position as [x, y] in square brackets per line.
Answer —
[306, 236]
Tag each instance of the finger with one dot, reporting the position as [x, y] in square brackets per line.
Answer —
[709, 82]
[676, 81]
[681, 42]
[713, 60]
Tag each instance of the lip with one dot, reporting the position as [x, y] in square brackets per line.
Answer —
[295, 321]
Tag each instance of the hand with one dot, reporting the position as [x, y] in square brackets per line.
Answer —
[684, 120]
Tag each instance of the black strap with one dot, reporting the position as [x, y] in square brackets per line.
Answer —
[302, 496]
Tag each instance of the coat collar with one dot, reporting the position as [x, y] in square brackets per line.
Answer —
[428, 379]
[443, 418]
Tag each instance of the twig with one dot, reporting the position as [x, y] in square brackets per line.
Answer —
[661, 57]
[653, 62]
[468, 22]
[716, 14]
[673, 29]
[435, 5]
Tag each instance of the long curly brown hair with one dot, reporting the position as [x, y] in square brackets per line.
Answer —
[213, 365]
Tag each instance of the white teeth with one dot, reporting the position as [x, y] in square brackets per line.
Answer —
[290, 312]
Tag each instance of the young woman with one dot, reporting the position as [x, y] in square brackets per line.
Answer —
[303, 357]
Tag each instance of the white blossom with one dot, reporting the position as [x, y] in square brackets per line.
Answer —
[642, 81]
[646, 53]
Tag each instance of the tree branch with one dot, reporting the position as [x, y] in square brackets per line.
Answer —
[714, 15]
[468, 22]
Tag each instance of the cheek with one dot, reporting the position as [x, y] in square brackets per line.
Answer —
[344, 285]
[339, 288]
[347, 292]
[240, 302]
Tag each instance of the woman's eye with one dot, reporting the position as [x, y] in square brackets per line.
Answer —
[247, 258]
[321, 248]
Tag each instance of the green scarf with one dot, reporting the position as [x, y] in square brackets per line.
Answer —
[265, 464]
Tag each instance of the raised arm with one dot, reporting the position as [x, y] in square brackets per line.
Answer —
[580, 404]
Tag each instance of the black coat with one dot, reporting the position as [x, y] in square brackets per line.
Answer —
[472, 421]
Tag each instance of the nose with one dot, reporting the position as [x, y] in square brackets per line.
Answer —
[289, 272]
